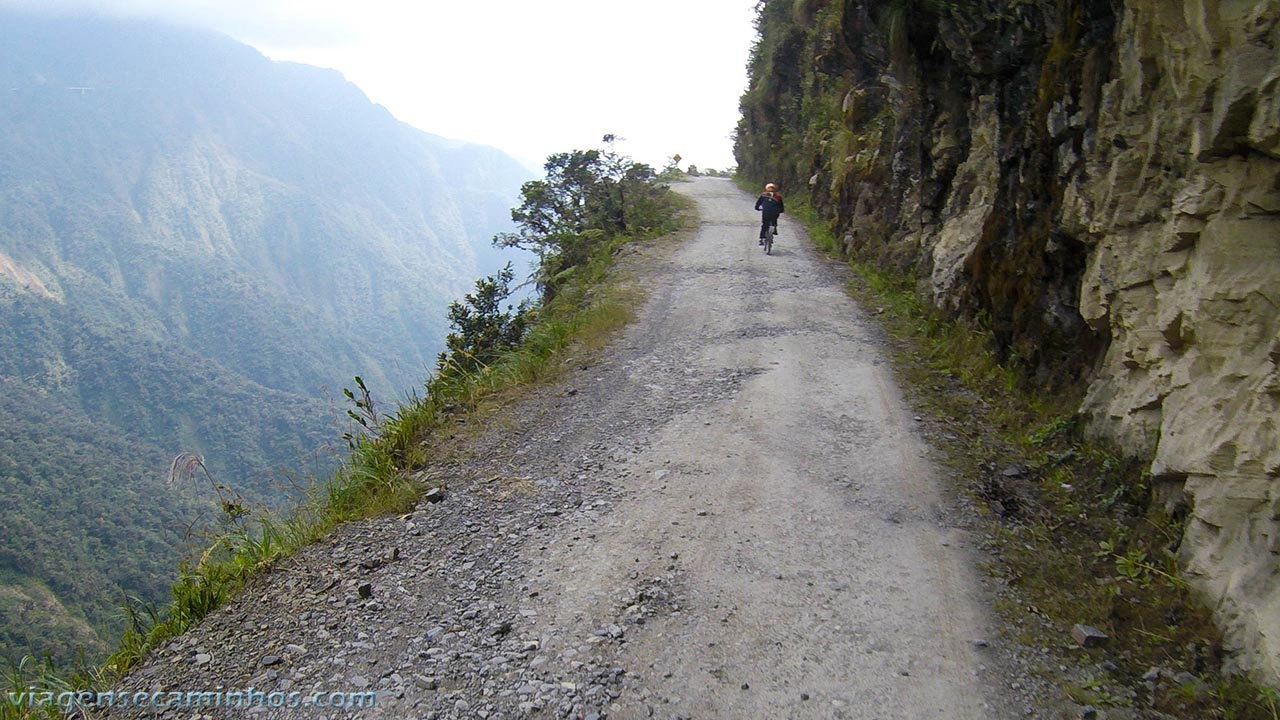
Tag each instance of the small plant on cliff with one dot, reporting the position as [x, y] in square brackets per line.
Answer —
[190, 466]
[365, 413]
[482, 330]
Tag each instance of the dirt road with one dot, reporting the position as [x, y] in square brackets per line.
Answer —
[808, 534]
[728, 515]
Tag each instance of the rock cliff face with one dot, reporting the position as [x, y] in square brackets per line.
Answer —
[1101, 181]
[1179, 202]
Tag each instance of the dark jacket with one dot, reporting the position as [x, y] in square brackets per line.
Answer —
[770, 204]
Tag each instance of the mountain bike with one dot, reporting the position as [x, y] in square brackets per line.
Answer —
[767, 240]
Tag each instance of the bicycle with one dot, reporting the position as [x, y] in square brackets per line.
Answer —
[767, 240]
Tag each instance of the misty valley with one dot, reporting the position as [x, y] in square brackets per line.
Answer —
[199, 249]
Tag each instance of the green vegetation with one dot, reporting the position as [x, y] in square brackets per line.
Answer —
[492, 352]
[588, 196]
[1078, 536]
[482, 330]
[195, 256]
[87, 517]
[671, 171]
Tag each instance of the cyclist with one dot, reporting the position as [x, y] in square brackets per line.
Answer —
[770, 206]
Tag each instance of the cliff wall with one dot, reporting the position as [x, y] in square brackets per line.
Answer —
[1098, 180]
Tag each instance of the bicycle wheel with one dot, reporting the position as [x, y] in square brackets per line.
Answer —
[768, 240]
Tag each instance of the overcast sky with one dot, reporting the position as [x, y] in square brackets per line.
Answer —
[530, 78]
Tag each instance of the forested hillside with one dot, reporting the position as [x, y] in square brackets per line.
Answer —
[198, 247]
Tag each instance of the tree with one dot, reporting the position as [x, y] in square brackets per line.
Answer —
[554, 211]
[481, 329]
[587, 196]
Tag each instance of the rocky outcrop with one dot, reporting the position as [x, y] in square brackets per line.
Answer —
[1101, 182]
[1180, 205]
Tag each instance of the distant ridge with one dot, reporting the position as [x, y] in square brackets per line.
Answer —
[196, 243]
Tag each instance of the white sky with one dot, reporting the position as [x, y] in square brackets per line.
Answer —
[528, 77]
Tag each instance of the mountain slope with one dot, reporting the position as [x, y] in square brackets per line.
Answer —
[197, 245]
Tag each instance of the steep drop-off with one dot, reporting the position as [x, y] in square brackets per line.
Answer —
[1098, 180]
[195, 243]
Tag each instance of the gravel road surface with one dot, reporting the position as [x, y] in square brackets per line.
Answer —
[728, 514]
